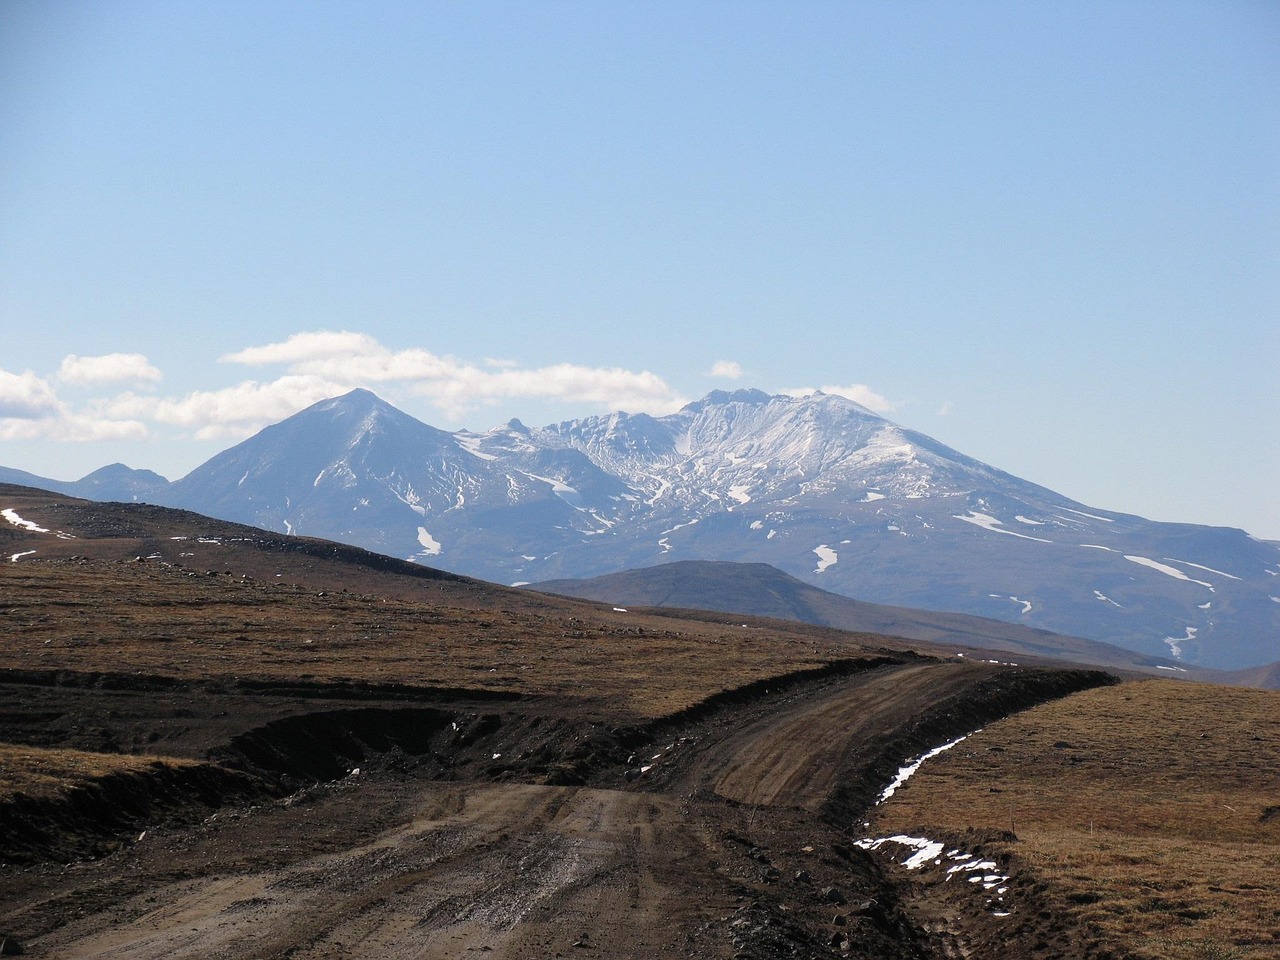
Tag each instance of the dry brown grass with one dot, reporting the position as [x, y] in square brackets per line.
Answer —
[152, 619]
[1153, 808]
[38, 772]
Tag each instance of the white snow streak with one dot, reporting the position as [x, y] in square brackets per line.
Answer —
[1026, 604]
[1175, 643]
[27, 553]
[1091, 516]
[1102, 596]
[1200, 566]
[12, 516]
[988, 522]
[1166, 570]
[908, 770]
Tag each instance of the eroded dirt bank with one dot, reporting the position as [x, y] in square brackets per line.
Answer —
[482, 831]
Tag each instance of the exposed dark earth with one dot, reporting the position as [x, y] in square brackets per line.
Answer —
[434, 830]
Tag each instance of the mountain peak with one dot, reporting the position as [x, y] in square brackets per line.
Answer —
[719, 398]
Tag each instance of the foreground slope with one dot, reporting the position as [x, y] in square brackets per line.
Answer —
[1149, 810]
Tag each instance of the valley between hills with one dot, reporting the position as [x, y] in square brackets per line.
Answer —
[219, 742]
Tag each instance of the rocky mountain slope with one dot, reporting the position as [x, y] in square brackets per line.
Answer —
[819, 487]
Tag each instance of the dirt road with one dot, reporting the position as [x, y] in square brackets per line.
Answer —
[715, 850]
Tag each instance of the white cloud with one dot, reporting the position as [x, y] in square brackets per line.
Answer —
[946, 408]
[316, 345]
[110, 368]
[235, 411]
[726, 369]
[72, 428]
[346, 360]
[25, 396]
[857, 392]
[30, 410]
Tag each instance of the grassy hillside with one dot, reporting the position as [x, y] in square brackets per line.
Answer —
[1151, 809]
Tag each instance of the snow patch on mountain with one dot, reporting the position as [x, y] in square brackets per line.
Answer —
[1199, 566]
[826, 557]
[430, 546]
[1166, 570]
[988, 522]
[1175, 643]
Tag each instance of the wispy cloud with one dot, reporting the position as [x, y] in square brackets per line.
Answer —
[346, 360]
[857, 392]
[946, 408]
[726, 370]
[230, 413]
[110, 368]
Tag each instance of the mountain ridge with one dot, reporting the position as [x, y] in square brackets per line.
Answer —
[819, 487]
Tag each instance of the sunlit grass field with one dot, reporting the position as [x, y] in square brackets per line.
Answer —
[1152, 807]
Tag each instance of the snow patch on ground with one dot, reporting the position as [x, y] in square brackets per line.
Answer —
[1102, 596]
[908, 770]
[1027, 520]
[1096, 546]
[739, 492]
[872, 497]
[757, 524]
[826, 557]
[430, 546]
[1166, 570]
[988, 522]
[926, 850]
[12, 516]
[27, 553]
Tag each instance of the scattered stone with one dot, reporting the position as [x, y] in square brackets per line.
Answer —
[833, 895]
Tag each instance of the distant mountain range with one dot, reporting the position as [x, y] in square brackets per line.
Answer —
[819, 487]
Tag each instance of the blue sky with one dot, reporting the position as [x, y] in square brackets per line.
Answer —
[1047, 234]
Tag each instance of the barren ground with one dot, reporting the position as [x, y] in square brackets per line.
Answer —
[245, 745]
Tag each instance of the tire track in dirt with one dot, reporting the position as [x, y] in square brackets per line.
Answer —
[511, 870]
[519, 870]
[795, 755]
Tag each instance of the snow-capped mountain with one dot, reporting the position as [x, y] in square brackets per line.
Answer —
[819, 487]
